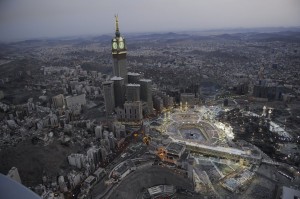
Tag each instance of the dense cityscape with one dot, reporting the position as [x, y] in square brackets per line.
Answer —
[162, 115]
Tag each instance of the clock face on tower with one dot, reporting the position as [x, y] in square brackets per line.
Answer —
[115, 45]
[121, 45]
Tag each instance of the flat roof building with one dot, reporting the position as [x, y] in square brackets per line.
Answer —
[161, 191]
[133, 92]
[175, 149]
[146, 93]
[109, 96]
[119, 91]
[133, 78]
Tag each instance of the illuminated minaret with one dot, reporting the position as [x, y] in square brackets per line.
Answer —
[119, 54]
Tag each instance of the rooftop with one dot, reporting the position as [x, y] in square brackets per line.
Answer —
[160, 189]
[133, 74]
[90, 179]
[175, 148]
[99, 171]
[145, 80]
[116, 78]
[134, 85]
[230, 150]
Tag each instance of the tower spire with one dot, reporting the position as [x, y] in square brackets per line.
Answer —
[117, 26]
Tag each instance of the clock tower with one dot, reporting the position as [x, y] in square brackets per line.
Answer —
[119, 54]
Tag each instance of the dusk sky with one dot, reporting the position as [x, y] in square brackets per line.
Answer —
[24, 19]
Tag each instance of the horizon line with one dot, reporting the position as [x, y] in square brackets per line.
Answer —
[151, 32]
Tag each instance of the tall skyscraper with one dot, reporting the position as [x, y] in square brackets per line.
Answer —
[133, 78]
[119, 54]
[119, 91]
[146, 93]
[109, 96]
[94, 156]
[133, 92]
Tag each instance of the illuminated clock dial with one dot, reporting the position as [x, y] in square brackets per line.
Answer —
[121, 45]
[115, 45]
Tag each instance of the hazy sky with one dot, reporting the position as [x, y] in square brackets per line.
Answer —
[22, 19]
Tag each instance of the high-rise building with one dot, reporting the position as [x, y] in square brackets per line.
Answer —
[94, 156]
[188, 99]
[167, 101]
[119, 130]
[133, 92]
[74, 178]
[133, 78]
[77, 160]
[109, 96]
[112, 141]
[62, 184]
[119, 54]
[104, 153]
[119, 91]
[1, 94]
[146, 93]
[268, 90]
[158, 103]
